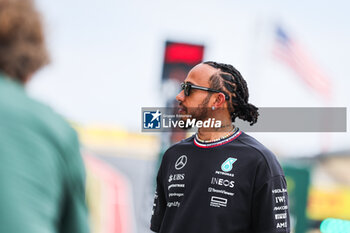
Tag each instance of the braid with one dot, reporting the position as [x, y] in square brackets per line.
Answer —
[229, 80]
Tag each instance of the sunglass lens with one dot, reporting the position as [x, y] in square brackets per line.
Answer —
[186, 88]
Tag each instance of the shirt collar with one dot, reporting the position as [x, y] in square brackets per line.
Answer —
[218, 143]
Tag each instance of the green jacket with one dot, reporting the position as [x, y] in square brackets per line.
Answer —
[42, 176]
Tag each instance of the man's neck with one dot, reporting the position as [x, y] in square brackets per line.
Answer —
[210, 134]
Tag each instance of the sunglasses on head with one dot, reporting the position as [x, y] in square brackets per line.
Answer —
[186, 87]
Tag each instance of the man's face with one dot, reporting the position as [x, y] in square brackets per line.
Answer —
[198, 102]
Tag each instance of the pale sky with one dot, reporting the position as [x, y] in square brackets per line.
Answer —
[107, 56]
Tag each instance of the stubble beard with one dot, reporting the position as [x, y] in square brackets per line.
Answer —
[201, 112]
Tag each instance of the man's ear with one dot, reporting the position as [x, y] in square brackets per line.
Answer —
[219, 100]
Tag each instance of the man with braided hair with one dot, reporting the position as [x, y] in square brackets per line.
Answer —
[219, 180]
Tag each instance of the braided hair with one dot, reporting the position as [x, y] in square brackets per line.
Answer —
[229, 80]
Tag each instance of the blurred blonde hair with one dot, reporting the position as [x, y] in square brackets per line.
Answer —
[22, 43]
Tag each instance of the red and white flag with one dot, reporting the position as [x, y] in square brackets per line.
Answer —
[290, 52]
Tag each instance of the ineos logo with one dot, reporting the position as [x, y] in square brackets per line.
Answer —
[181, 162]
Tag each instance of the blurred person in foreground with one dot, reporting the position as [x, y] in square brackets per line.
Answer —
[42, 177]
[220, 179]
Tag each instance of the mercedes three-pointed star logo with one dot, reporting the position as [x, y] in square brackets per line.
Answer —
[181, 162]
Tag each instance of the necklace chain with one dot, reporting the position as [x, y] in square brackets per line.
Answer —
[218, 139]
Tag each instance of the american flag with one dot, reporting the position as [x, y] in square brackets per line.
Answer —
[290, 52]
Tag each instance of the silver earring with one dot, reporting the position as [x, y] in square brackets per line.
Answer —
[213, 108]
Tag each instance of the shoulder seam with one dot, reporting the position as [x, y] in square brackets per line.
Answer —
[267, 164]
[183, 140]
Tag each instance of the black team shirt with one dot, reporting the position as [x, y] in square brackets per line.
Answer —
[235, 185]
